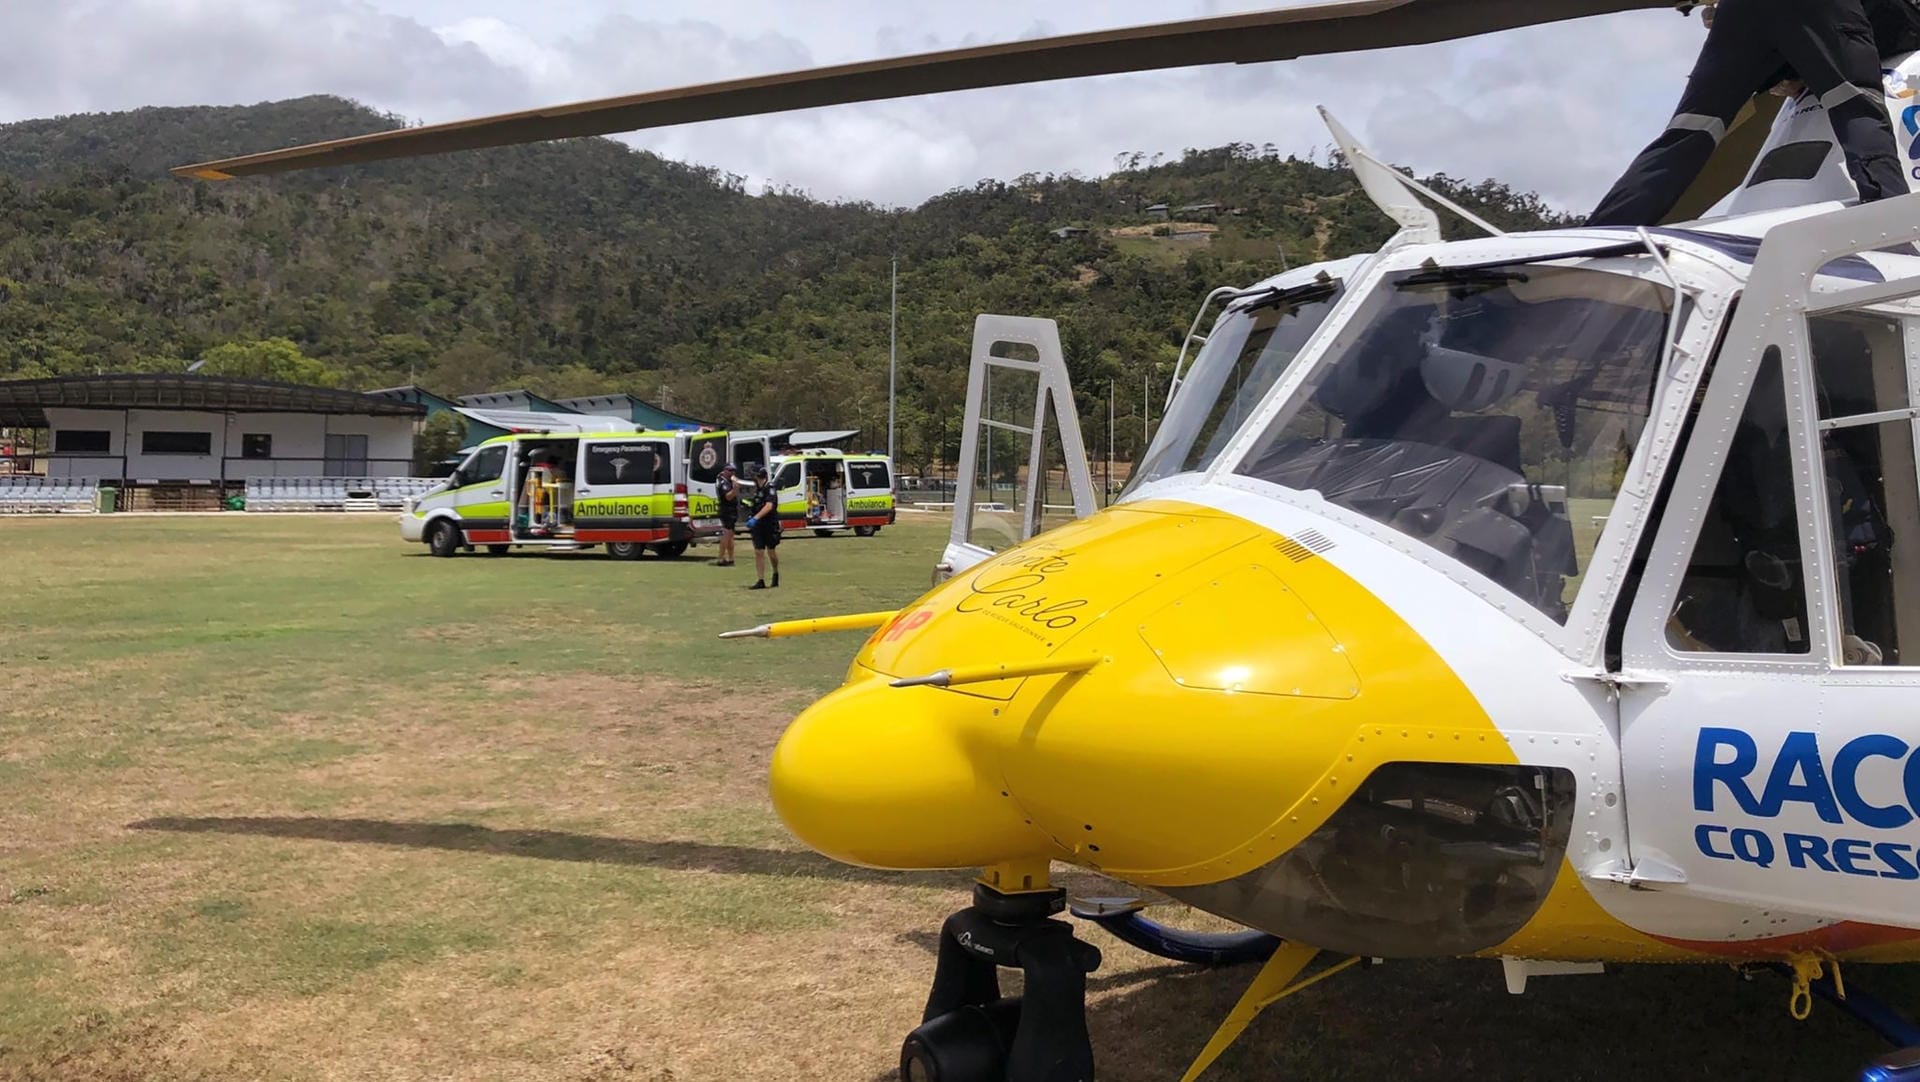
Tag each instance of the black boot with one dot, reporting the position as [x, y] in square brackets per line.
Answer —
[761, 584]
[776, 578]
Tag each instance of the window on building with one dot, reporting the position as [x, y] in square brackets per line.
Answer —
[347, 455]
[256, 445]
[81, 441]
[176, 443]
[1744, 591]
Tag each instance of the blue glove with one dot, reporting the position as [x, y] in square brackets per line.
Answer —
[750, 521]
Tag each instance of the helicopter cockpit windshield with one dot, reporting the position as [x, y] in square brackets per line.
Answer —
[1489, 412]
[1252, 343]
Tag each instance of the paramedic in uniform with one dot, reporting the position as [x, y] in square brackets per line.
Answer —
[1829, 45]
[728, 492]
[763, 525]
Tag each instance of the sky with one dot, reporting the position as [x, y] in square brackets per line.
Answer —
[1557, 109]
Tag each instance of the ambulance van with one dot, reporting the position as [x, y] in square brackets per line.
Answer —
[629, 491]
[826, 491]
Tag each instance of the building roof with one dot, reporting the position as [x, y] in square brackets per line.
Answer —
[418, 395]
[821, 438]
[520, 400]
[647, 415]
[541, 421]
[23, 402]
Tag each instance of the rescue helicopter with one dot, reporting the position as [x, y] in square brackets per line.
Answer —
[1537, 597]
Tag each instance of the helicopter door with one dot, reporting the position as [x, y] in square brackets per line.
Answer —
[1023, 468]
[1770, 699]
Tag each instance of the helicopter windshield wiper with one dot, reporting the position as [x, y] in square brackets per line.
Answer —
[1500, 271]
[1459, 276]
[1273, 296]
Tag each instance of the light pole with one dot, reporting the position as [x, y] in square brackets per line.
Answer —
[1146, 410]
[893, 341]
[1108, 480]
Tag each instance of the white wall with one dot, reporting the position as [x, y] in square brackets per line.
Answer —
[299, 443]
[304, 436]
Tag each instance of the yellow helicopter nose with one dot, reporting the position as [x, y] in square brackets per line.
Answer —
[1229, 688]
[888, 777]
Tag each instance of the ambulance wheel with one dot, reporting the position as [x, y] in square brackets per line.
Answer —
[498, 550]
[670, 550]
[865, 531]
[443, 538]
[823, 533]
[625, 550]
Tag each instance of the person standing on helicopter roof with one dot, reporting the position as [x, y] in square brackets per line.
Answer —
[1833, 47]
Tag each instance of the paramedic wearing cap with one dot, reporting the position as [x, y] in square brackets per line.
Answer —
[728, 492]
[763, 525]
[1829, 45]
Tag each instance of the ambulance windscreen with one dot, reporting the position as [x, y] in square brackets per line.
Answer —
[1490, 413]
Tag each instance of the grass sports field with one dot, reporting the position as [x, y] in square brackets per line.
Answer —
[283, 798]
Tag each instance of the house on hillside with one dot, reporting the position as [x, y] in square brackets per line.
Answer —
[1068, 232]
[1158, 212]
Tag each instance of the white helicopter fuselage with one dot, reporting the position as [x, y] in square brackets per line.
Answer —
[1724, 801]
[1691, 802]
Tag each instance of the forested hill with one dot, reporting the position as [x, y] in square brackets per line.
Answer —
[585, 266]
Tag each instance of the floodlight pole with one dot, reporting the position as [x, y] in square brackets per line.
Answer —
[893, 343]
[1108, 480]
[1146, 410]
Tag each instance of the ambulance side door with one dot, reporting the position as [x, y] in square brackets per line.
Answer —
[706, 453]
[623, 490]
[481, 498]
[869, 492]
[790, 489]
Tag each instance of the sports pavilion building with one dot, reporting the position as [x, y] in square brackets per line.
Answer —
[182, 441]
[165, 439]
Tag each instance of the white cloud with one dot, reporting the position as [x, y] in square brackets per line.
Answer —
[1559, 109]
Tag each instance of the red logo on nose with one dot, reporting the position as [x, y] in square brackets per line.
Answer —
[903, 624]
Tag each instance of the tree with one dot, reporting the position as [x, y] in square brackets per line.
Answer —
[443, 434]
[267, 358]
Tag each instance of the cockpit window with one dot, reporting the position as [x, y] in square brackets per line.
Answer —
[1250, 345]
[1489, 412]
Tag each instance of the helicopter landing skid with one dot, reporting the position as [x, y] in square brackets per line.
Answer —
[1278, 979]
[1124, 920]
[970, 1032]
[1874, 1013]
[1881, 1017]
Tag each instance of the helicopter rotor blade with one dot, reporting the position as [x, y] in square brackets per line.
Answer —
[1333, 27]
[1732, 160]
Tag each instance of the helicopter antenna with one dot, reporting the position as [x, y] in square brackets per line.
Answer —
[1396, 193]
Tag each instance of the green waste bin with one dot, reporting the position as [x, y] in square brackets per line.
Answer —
[109, 499]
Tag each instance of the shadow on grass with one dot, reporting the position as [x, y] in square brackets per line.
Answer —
[553, 845]
[1449, 1020]
[1429, 1021]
